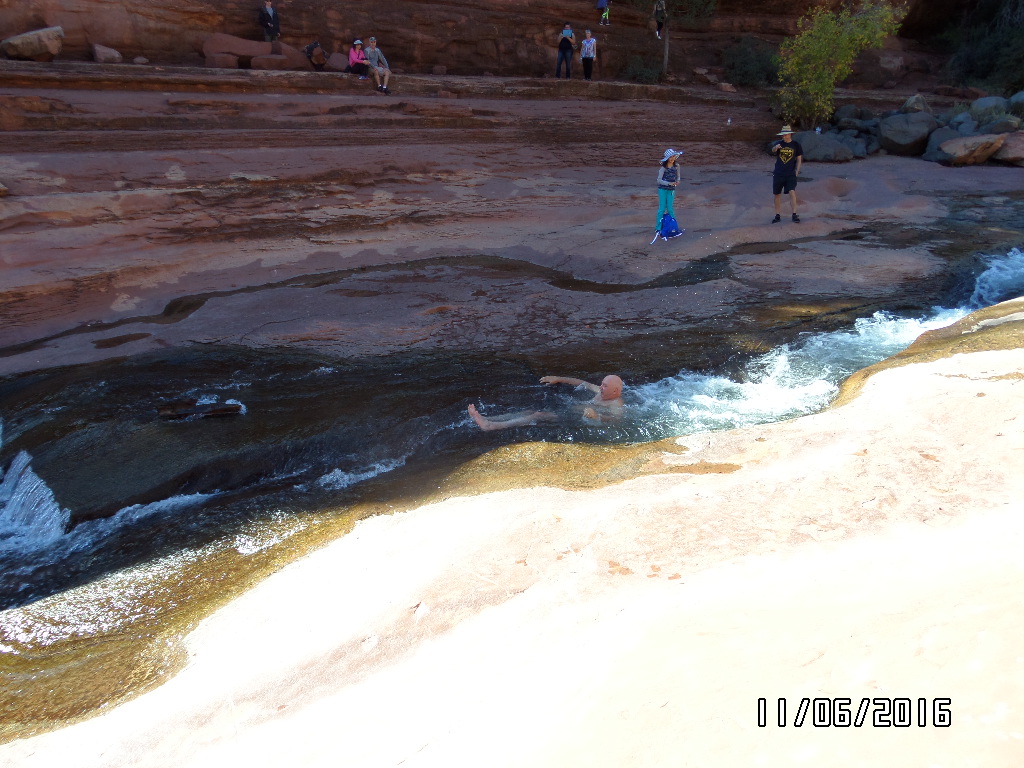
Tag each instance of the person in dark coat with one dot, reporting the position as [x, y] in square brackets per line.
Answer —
[270, 21]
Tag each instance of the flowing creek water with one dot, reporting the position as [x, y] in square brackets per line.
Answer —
[119, 531]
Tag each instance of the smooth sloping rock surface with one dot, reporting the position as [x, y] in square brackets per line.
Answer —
[869, 551]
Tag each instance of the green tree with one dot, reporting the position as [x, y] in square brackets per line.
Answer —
[823, 54]
[688, 13]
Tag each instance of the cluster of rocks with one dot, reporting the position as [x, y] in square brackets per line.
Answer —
[989, 129]
[713, 76]
[46, 44]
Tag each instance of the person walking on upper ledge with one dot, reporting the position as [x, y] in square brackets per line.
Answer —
[270, 21]
[789, 156]
[566, 45]
[602, 6]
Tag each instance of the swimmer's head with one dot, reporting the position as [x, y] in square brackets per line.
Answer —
[611, 387]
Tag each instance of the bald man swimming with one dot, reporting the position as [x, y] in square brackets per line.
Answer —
[606, 406]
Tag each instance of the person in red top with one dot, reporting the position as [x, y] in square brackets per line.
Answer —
[357, 63]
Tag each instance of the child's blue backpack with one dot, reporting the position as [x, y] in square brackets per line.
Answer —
[669, 228]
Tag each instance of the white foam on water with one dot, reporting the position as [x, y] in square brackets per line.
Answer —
[30, 517]
[791, 380]
[1002, 279]
[339, 479]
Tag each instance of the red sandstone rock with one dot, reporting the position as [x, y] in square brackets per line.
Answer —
[38, 45]
[104, 55]
[271, 61]
[972, 150]
[336, 62]
[256, 54]
[1012, 150]
[222, 61]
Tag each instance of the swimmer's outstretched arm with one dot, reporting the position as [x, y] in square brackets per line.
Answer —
[570, 381]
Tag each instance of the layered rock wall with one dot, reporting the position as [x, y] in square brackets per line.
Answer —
[501, 36]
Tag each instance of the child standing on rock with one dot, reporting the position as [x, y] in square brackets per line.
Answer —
[668, 180]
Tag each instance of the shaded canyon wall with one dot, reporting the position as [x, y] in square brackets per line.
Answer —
[501, 37]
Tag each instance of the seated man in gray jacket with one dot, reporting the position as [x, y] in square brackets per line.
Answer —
[378, 65]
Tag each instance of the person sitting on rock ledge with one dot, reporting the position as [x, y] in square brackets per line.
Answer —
[378, 65]
[357, 60]
[606, 406]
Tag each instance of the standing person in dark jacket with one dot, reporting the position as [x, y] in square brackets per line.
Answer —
[270, 21]
[566, 45]
[789, 156]
[668, 180]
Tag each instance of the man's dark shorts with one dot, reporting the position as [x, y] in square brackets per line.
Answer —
[782, 184]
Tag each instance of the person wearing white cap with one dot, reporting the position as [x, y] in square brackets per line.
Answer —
[357, 60]
[789, 156]
[668, 180]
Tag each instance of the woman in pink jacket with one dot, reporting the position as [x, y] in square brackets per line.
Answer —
[357, 60]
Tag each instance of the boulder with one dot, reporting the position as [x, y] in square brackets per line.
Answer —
[847, 111]
[222, 61]
[849, 123]
[140, 60]
[727, 87]
[986, 109]
[103, 55]
[1004, 124]
[939, 135]
[906, 134]
[915, 103]
[247, 50]
[1012, 150]
[823, 148]
[856, 145]
[971, 150]
[336, 62]
[4, 191]
[38, 45]
[1016, 104]
[270, 61]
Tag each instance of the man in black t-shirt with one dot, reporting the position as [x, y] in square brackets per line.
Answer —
[789, 156]
[566, 45]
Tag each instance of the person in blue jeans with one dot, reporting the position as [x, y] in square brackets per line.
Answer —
[668, 180]
[566, 45]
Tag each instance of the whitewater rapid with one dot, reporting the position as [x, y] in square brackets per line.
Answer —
[789, 381]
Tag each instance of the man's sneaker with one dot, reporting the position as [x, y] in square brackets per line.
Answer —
[380, 88]
[796, 218]
[658, 34]
[387, 92]
[777, 219]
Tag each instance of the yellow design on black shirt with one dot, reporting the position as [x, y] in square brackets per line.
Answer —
[786, 154]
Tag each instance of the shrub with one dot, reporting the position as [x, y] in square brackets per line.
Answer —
[640, 71]
[823, 53]
[989, 47]
[751, 62]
